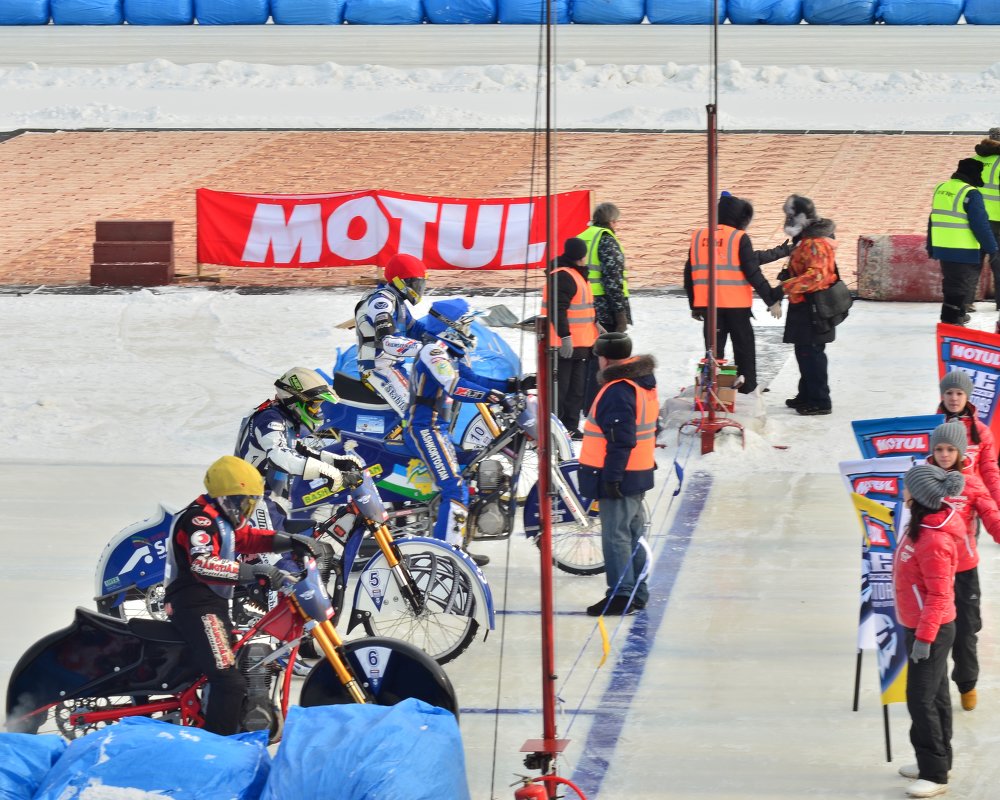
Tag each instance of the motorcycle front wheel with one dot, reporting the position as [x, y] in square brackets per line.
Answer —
[445, 625]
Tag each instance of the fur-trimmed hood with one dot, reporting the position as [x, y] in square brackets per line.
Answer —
[820, 229]
[988, 147]
[638, 368]
[735, 212]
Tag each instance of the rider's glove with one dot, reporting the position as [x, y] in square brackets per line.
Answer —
[352, 478]
[343, 461]
[315, 468]
[297, 543]
[566, 348]
[265, 574]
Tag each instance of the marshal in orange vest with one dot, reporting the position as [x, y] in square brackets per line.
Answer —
[580, 314]
[732, 289]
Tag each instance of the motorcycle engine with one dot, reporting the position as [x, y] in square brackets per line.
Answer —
[489, 519]
[489, 476]
[260, 712]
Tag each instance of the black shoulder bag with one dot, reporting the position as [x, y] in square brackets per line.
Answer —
[830, 306]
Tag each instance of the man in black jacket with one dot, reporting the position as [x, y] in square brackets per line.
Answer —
[734, 295]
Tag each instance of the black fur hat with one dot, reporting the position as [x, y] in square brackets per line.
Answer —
[970, 170]
[799, 212]
[613, 345]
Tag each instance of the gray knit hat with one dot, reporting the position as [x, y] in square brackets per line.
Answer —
[994, 134]
[957, 379]
[929, 485]
[952, 433]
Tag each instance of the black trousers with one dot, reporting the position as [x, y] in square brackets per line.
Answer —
[814, 385]
[958, 288]
[208, 631]
[591, 387]
[995, 263]
[735, 323]
[929, 704]
[571, 386]
[968, 623]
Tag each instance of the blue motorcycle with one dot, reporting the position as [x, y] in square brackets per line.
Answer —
[493, 447]
[414, 588]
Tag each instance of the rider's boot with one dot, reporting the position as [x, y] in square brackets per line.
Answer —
[394, 436]
[458, 516]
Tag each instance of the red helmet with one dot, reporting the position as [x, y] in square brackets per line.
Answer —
[407, 275]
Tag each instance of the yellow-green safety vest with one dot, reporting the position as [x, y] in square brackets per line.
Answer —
[592, 236]
[991, 186]
[949, 222]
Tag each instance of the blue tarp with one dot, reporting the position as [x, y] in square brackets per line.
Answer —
[456, 12]
[159, 12]
[839, 12]
[920, 12]
[307, 12]
[608, 12]
[87, 12]
[772, 12]
[25, 760]
[384, 12]
[24, 12]
[154, 756]
[982, 12]
[409, 751]
[683, 12]
[231, 12]
[530, 12]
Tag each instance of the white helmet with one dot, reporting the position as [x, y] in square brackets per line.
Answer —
[303, 391]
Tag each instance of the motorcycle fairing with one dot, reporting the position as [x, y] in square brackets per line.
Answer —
[135, 557]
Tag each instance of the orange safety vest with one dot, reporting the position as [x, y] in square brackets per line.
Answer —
[580, 314]
[595, 446]
[731, 288]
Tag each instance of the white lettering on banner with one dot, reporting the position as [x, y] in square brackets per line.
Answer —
[976, 355]
[516, 234]
[414, 217]
[269, 230]
[485, 240]
[376, 229]
[881, 485]
[918, 443]
[880, 562]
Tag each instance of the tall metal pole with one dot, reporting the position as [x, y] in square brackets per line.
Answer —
[711, 338]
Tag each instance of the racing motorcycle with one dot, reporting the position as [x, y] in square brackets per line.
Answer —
[414, 588]
[101, 669]
[492, 447]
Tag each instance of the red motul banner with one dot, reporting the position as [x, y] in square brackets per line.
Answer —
[345, 229]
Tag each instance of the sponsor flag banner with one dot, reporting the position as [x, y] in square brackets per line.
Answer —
[978, 354]
[880, 538]
[879, 479]
[896, 436]
[344, 229]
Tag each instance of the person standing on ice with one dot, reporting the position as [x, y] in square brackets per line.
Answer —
[738, 275]
[988, 152]
[269, 440]
[202, 571]
[387, 331]
[924, 587]
[811, 268]
[959, 236]
[617, 465]
[956, 405]
[948, 444]
[441, 375]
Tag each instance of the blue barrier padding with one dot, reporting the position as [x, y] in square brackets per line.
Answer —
[982, 12]
[154, 756]
[231, 12]
[608, 12]
[411, 750]
[530, 12]
[772, 12]
[25, 760]
[307, 12]
[839, 12]
[159, 12]
[384, 12]
[25, 12]
[87, 12]
[683, 12]
[461, 12]
[920, 12]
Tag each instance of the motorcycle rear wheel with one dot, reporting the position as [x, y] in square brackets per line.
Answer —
[57, 719]
[145, 603]
[446, 625]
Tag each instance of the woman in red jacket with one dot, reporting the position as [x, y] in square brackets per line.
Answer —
[948, 444]
[924, 580]
[956, 391]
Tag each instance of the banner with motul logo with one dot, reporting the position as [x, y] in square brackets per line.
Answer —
[344, 229]
[896, 436]
[977, 353]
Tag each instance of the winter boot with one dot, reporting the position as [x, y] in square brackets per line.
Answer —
[922, 788]
[912, 771]
[969, 699]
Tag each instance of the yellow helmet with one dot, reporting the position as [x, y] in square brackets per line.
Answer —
[233, 476]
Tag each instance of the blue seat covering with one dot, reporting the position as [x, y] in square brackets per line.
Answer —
[771, 12]
[87, 12]
[159, 12]
[683, 12]
[409, 751]
[25, 12]
[460, 12]
[231, 12]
